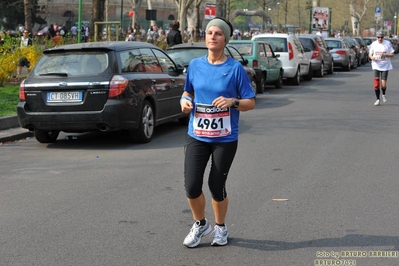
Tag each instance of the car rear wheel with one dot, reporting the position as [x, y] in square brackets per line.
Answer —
[43, 136]
[145, 131]
[348, 67]
[260, 85]
[279, 83]
[355, 64]
[296, 80]
[320, 71]
[331, 69]
[309, 76]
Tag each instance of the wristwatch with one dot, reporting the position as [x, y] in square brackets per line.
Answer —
[236, 103]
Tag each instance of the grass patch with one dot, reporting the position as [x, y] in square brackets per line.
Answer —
[9, 98]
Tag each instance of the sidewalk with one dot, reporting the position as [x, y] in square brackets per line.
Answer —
[10, 130]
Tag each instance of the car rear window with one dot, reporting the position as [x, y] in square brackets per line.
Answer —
[277, 44]
[71, 64]
[334, 44]
[307, 43]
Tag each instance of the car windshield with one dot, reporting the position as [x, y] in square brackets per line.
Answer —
[334, 44]
[234, 53]
[71, 64]
[184, 56]
[351, 41]
[243, 48]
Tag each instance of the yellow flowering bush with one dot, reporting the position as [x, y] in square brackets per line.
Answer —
[11, 53]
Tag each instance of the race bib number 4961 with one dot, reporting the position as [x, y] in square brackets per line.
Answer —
[211, 122]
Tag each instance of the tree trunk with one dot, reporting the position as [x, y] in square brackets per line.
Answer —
[182, 6]
[316, 3]
[28, 15]
[97, 15]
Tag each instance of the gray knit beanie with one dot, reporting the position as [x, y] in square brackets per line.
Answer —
[222, 25]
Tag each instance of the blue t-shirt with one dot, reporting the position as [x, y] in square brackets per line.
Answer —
[208, 81]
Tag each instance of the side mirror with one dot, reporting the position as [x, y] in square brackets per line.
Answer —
[176, 71]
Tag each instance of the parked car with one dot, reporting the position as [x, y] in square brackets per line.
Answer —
[319, 54]
[296, 63]
[356, 47]
[101, 86]
[394, 43]
[364, 48]
[343, 55]
[369, 41]
[260, 56]
[183, 54]
[248, 69]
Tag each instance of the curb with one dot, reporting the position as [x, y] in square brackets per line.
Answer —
[8, 122]
[14, 136]
[10, 130]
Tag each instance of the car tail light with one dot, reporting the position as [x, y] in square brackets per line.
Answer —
[316, 52]
[341, 52]
[255, 63]
[22, 91]
[290, 51]
[117, 86]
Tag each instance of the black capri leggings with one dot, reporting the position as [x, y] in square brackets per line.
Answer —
[197, 154]
[382, 74]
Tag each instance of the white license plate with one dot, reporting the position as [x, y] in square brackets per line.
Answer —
[64, 97]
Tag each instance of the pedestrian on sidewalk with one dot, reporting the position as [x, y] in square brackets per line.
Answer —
[174, 35]
[217, 88]
[381, 52]
[25, 42]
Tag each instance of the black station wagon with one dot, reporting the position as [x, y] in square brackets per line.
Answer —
[101, 86]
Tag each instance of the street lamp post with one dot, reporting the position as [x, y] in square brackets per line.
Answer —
[396, 23]
[278, 13]
[268, 16]
[121, 15]
[80, 21]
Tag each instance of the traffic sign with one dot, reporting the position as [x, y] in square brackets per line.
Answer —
[377, 13]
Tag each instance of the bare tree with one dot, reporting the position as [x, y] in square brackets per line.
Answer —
[183, 6]
[193, 18]
[358, 9]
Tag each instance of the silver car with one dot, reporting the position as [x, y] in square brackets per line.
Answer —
[318, 53]
[343, 55]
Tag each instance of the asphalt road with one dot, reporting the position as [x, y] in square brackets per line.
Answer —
[315, 178]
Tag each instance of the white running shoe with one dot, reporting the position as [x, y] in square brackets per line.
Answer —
[220, 236]
[196, 233]
[384, 98]
[377, 102]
